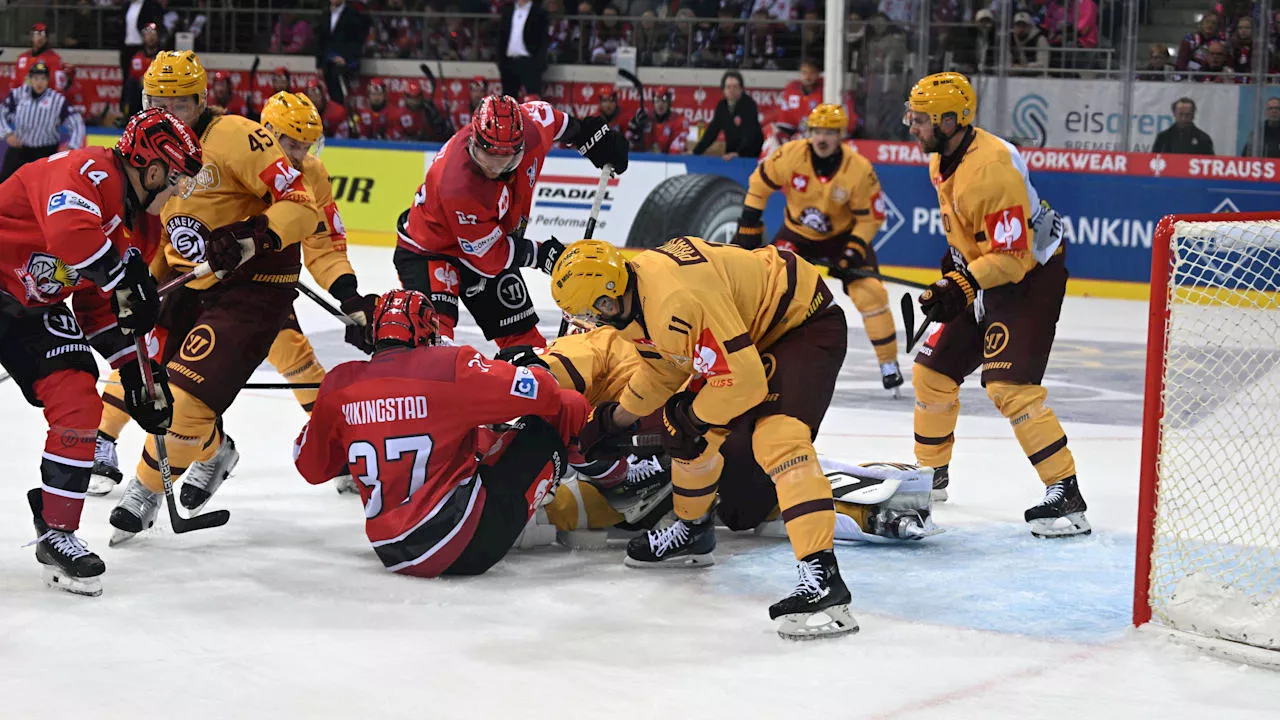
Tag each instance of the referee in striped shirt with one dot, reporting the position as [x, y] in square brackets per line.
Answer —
[31, 119]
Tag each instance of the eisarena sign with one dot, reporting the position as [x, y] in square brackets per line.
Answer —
[1088, 115]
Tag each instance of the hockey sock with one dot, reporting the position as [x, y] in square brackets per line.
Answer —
[114, 416]
[937, 409]
[782, 447]
[293, 357]
[1037, 428]
[72, 409]
[872, 301]
[193, 437]
[528, 337]
[694, 482]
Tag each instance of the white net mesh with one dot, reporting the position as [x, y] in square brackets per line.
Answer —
[1215, 567]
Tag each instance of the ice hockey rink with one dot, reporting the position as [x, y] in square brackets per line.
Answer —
[286, 613]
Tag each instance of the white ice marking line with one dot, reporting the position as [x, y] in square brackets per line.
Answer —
[966, 438]
[975, 690]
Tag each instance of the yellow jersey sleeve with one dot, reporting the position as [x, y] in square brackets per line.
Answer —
[324, 252]
[994, 198]
[764, 179]
[866, 203]
[264, 170]
[597, 364]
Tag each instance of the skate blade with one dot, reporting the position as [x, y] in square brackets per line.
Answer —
[119, 537]
[939, 495]
[100, 486]
[684, 562]
[1075, 525]
[56, 579]
[583, 539]
[839, 621]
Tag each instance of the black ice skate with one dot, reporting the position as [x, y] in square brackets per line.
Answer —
[68, 564]
[106, 467]
[1060, 513]
[646, 484]
[941, 478]
[203, 479]
[891, 376]
[135, 512]
[820, 595]
[681, 544]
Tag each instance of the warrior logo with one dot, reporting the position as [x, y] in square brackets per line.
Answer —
[45, 276]
[187, 235]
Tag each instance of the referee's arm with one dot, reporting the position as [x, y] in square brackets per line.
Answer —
[70, 119]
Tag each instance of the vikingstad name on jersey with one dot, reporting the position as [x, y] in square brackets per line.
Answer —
[382, 410]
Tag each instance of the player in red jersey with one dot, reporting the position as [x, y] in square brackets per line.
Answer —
[477, 88]
[666, 132]
[39, 52]
[333, 115]
[464, 235]
[371, 123]
[799, 98]
[223, 96]
[607, 109]
[407, 421]
[131, 92]
[68, 224]
[416, 119]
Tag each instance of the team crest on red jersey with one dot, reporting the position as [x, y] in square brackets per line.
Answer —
[1007, 229]
[708, 357]
[799, 182]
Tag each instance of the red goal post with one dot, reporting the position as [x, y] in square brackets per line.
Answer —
[1208, 540]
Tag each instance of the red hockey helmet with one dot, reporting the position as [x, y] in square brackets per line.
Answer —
[497, 126]
[157, 135]
[405, 317]
[413, 90]
[662, 92]
[222, 76]
[479, 81]
[377, 85]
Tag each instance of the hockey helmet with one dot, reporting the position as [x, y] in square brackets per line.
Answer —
[828, 116]
[293, 115]
[157, 135]
[175, 74]
[497, 126]
[942, 94]
[405, 317]
[587, 271]
[413, 90]
[664, 93]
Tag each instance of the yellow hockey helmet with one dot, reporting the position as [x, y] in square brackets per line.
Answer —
[292, 114]
[828, 116]
[943, 93]
[175, 74]
[587, 271]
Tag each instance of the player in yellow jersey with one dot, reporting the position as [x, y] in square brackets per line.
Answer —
[998, 300]
[769, 345]
[247, 218]
[834, 210]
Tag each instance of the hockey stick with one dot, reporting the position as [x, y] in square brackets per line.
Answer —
[602, 187]
[252, 385]
[198, 271]
[252, 84]
[909, 320]
[889, 279]
[346, 319]
[435, 95]
[176, 521]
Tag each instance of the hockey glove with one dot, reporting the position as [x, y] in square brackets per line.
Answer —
[135, 301]
[853, 257]
[360, 309]
[600, 144]
[750, 228]
[537, 254]
[231, 245]
[151, 415]
[949, 296]
[603, 440]
[683, 431]
[522, 356]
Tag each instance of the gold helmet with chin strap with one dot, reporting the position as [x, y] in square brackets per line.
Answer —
[587, 271]
[944, 93]
[293, 115]
[175, 74]
[828, 116]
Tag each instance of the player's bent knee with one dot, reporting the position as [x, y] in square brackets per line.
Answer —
[783, 448]
[70, 399]
[192, 418]
[868, 295]
[934, 391]
[1016, 399]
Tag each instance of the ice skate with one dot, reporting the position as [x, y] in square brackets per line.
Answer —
[646, 485]
[941, 478]
[1061, 512]
[68, 563]
[819, 606]
[891, 376]
[135, 512]
[203, 479]
[106, 467]
[681, 544]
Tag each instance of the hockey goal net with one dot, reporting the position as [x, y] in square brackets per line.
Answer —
[1208, 563]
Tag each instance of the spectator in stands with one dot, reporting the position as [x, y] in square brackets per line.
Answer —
[31, 120]
[80, 27]
[1241, 49]
[225, 97]
[886, 79]
[1028, 47]
[131, 92]
[811, 35]
[1215, 67]
[395, 33]
[719, 45]
[902, 12]
[610, 34]
[738, 118]
[1207, 30]
[39, 52]
[137, 15]
[454, 40]
[1158, 64]
[762, 51]
[561, 41]
[291, 35]
[522, 48]
[1183, 137]
[193, 18]
[1231, 12]
[985, 45]
[341, 41]
[1270, 132]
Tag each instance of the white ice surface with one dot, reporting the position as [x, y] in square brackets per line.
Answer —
[286, 613]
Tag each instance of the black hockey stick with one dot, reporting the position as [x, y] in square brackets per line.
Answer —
[252, 385]
[909, 321]
[888, 278]
[176, 521]
[602, 187]
[252, 85]
[345, 318]
[435, 95]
